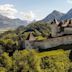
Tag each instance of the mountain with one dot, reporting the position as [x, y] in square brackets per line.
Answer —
[54, 15]
[6, 22]
[68, 15]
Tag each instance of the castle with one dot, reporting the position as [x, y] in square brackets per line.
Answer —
[61, 33]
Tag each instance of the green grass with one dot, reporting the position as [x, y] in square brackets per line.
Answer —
[40, 38]
[51, 53]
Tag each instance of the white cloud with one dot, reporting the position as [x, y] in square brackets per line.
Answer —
[27, 15]
[8, 10]
[69, 1]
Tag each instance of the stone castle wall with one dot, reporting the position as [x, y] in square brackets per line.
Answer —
[52, 42]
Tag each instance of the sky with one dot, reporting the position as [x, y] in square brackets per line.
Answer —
[32, 9]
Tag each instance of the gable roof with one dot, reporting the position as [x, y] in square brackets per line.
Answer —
[31, 37]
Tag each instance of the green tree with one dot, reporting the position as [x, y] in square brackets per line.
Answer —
[2, 69]
[6, 61]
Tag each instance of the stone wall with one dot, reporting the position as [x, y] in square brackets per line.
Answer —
[52, 42]
[68, 30]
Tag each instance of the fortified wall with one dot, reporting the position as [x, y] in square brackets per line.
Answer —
[52, 42]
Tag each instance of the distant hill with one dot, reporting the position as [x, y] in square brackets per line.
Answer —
[54, 15]
[6, 22]
[68, 15]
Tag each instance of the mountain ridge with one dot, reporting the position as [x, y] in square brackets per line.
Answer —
[58, 15]
[53, 15]
[68, 15]
[12, 23]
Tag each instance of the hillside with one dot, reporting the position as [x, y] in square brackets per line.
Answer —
[14, 57]
[48, 54]
[6, 22]
[33, 61]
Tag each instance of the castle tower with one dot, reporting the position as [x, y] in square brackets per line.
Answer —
[54, 28]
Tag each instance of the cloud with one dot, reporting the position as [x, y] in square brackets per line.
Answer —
[69, 1]
[8, 10]
[27, 15]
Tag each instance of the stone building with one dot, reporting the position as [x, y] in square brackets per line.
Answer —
[61, 28]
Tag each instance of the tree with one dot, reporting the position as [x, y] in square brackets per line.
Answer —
[2, 69]
[6, 61]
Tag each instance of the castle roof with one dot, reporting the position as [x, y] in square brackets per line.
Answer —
[31, 37]
[55, 21]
